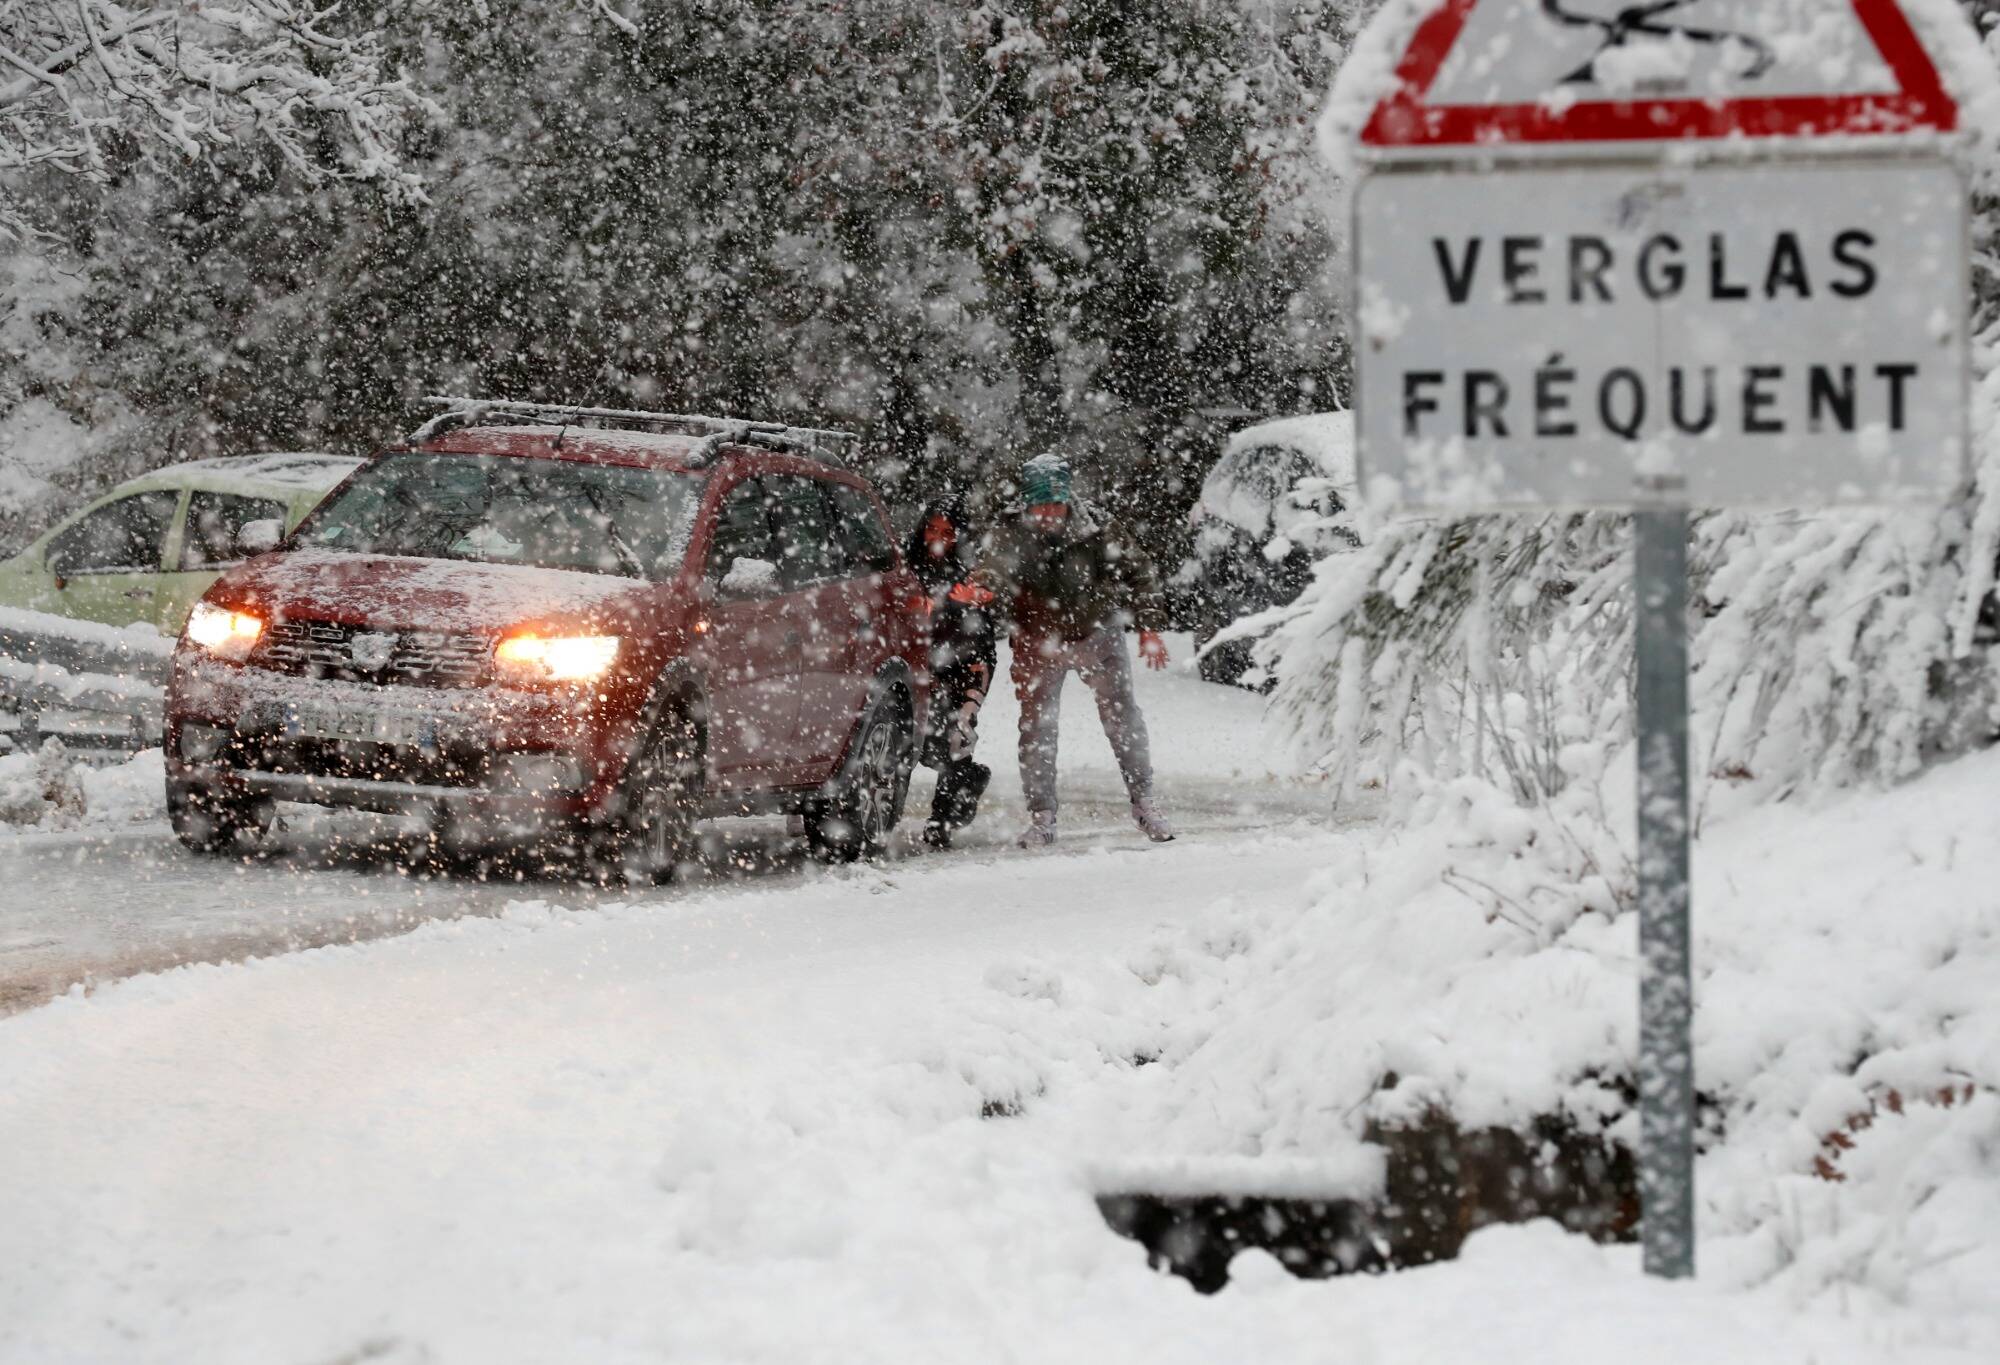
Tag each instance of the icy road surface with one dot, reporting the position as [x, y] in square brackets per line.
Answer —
[87, 906]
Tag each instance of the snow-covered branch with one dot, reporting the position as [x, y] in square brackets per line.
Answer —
[193, 77]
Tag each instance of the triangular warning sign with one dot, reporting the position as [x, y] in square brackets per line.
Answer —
[1494, 73]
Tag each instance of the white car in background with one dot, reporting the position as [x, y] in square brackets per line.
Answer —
[1275, 503]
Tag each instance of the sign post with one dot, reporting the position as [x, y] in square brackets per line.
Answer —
[1666, 994]
[1657, 264]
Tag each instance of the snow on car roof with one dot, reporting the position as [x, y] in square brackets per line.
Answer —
[301, 469]
[1327, 437]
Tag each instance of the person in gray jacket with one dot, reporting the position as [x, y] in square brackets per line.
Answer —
[1071, 579]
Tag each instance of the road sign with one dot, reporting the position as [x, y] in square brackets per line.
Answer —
[1515, 74]
[1600, 335]
[1604, 260]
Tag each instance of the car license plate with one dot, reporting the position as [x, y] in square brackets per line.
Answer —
[362, 723]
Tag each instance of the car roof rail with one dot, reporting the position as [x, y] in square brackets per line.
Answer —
[715, 432]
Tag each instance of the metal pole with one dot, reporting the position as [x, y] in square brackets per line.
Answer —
[1666, 993]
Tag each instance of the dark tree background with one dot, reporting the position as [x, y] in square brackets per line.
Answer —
[970, 232]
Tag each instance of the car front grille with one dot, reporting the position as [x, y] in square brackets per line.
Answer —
[327, 649]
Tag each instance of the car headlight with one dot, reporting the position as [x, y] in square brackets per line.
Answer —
[224, 633]
[562, 658]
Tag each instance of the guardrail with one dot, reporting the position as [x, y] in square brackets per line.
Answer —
[93, 686]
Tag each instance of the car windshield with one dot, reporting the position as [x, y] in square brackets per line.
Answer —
[502, 509]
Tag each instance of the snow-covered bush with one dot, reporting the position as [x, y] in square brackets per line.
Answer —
[1827, 647]
[1479, 646]
[50, 789]
[1841, 646]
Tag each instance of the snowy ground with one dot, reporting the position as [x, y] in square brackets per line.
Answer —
[860, 1115]
[741, 1130]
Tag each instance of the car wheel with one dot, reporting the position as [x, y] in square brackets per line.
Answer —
[208, 823]
[855, 825]
[662, 798]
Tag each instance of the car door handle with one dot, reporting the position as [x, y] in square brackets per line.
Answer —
[136, 593]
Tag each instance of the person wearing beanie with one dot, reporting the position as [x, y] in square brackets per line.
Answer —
[1071, 580]
[962, 657]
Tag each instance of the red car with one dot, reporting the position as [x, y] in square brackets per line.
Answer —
[588, 625]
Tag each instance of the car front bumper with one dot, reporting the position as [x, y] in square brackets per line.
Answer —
[486, 761]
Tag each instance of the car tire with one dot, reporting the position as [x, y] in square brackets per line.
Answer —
[662, 798]
[854, 826]
[205, 822]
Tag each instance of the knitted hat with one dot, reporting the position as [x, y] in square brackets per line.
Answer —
[1045, 479]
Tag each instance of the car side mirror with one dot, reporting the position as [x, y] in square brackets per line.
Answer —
[259, 537]
[750, 578]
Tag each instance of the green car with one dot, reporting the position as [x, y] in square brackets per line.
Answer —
[148, 549]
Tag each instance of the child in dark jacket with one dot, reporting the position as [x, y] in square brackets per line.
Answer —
[961, 662]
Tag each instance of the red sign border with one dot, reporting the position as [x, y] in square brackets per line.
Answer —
[1403, 120]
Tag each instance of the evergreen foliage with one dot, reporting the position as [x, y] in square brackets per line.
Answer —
[968, 232]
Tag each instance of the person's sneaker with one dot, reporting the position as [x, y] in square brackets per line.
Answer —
[1148, 818]
[936, 836]
[1041, 833]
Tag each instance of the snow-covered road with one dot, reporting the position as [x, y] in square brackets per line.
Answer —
[89, 908]
[96, 904]
[711, 1128]
[548, 1122]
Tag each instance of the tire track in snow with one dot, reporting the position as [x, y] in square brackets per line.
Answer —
[86, 908]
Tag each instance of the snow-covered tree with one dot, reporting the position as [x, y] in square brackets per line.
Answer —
[772, 206]
[90, 83]
[1827, 647]
[1131, 178]
[1479, 645]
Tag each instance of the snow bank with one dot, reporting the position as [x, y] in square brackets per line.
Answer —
[141, 639]
[49, 790]
[1474, 964]
[742, 1128]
